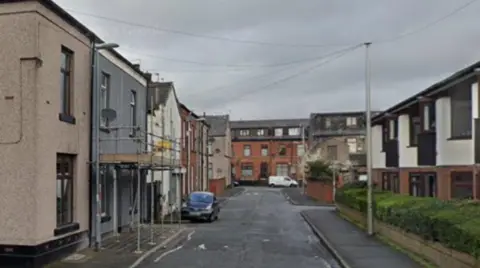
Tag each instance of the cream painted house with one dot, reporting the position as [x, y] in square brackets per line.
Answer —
[164, 122]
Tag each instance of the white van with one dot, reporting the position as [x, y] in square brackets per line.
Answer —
[281, 181]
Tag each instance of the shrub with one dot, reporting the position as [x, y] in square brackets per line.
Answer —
[455, 224]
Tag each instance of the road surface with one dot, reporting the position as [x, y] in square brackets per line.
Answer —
[256, 229]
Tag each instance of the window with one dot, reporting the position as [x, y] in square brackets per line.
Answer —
[352, 145]
[461, 112]
[66, 83]
[264, 150]
[278, 132]
[64, 189]
[246, 150]
[210, 171]
[186, 135]
[461, 185]
[392, 131]
[332, 152]
[327, 123]
[390, 182]
[415, 129]
[294, 131]
[260, 132]
[282, 150]
[133, 112]
[247, 170]
[351, 121]
[282, 170]
[428, 117]
[104, 193]
[244, 132]
[300, 149]
[104, 97]
[209, 147]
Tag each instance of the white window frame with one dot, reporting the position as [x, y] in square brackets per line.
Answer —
[351, 121]
[260, 132]
[104, 97]
[391, 129]
[352, 145]
[247, 148]
[426, 118]
[300, 149]
[294, 131]
[244, 132]
[133, 111]
[278, 132]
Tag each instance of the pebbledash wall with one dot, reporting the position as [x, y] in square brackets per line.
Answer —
[34, 130]
[451, 154]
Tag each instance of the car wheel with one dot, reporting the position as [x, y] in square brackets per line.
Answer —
[271, 185]
[210, 218]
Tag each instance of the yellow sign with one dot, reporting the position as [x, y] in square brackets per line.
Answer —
[162, 145]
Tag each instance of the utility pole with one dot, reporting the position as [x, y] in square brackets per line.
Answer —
[369, 140]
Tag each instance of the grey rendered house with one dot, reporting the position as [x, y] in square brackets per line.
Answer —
[123, 88]
[220, 147]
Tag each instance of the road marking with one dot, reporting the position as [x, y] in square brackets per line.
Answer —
[202, 247]
[167, 252]
[255, 193]
[266, 240]
[325, 263]
[247, 194]
[189, 237]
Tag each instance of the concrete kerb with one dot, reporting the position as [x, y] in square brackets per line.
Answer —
[326, 243]
[156, 248]
[289, 199]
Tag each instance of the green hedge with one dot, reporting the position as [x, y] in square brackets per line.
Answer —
[455, 224]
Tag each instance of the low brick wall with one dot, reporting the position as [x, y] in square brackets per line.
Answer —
[217, 186]
[433, 252]
[320, 191]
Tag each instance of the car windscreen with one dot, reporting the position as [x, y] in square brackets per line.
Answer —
[201, 198]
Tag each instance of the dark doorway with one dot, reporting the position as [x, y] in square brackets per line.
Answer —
[423, 184]
[264, 170]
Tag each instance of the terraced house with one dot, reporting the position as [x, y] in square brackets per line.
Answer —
[45, 90]
[429, 144]
[266, 147]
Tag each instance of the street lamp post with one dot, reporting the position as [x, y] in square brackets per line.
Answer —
[368, 116]
[96, 122]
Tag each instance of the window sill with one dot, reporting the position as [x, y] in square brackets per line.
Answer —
[67, 118]
[67, 228]
[459, 138]
[412, 146]
[105, 218]
[104, 129]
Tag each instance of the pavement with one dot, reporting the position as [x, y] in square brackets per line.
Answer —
[296, 197]
[257, 228]
[121, 251]
[351, 246]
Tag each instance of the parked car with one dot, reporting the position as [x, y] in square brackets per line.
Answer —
[200, 206]
[236, 183]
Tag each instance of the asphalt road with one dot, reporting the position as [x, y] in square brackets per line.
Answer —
[256, 229]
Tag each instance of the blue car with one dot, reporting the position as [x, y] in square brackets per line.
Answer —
[200, 206]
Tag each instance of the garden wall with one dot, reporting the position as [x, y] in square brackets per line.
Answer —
[433, 252]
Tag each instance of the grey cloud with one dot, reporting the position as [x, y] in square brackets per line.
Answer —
[399, 68]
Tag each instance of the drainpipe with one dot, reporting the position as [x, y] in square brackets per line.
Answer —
[90, 139]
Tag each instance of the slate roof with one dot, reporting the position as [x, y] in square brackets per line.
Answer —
[218, 124]
[269, 123]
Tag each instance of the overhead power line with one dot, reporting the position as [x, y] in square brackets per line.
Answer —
[262, 43]
[250, 79]
[204, 36]
[287, 78]
[428, 25]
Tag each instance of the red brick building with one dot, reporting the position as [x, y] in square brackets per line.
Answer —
[261, 148]
[193, 151]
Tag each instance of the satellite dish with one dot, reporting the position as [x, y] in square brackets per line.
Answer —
[109, 114]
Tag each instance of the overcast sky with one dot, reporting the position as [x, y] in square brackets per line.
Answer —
[231, 56]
